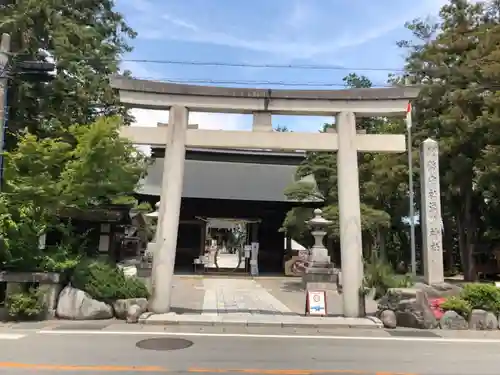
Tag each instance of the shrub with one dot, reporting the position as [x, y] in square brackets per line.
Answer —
[404, 281]
[380, 276]
[25, 305]
[457, 304]
[105, 282]
[482, 296]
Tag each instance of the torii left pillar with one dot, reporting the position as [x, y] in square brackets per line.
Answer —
[351, 248]
[170, 206]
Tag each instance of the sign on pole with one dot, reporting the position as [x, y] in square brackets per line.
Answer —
[408, 116]
[316, 302]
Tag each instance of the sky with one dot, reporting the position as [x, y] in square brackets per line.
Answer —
[349, 34]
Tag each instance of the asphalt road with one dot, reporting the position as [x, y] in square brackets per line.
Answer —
[84, 353]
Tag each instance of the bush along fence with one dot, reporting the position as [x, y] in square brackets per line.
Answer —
[94, 290]
[476, 306]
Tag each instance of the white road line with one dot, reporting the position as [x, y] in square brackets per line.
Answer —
[11, 336]
[264, 336]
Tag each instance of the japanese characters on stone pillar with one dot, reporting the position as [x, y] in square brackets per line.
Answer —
[430, 216]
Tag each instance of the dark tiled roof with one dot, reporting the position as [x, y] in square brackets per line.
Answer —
[226, 180]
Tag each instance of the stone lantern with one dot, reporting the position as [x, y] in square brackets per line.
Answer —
[320, 272]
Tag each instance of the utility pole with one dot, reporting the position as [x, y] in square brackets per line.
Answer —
[412, 199]
[4, 83]
[27, 70]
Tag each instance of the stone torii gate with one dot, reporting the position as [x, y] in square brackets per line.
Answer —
[262, 103]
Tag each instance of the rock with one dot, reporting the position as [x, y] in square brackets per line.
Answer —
[129, 270]
[121, 306]
[75, 304]
[411, 307]
[453, 320]
[482, 320]
[133, 313]
[439, 290]
[394, 296]
[388, 318]
[145, 315]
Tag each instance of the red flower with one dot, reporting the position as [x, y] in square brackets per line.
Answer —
[435, 305]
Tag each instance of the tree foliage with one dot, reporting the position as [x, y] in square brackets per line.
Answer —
[86, 167]
[85, 39]
[323, 167]
[456, 61]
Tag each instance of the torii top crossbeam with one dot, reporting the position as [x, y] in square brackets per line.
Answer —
[388, 101]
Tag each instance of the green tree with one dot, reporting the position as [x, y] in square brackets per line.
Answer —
[86, 167]
[323, 166]
[86, 39]
[456, 61]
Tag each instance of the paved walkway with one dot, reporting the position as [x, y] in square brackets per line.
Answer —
[243, 301]
[240, 296]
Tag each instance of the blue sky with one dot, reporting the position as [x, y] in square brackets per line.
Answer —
[344, 33]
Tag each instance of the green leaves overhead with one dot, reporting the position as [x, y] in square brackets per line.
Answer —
[89, 165]
[86, 39]
[323, 166]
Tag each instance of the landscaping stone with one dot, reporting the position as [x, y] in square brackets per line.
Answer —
[75, 304]
[394, 296]
[453, 320]
[439, 290]
[133, 313]
[482, 320]
[411, 307]
[122, 306]
[129, 270]
[388, 318]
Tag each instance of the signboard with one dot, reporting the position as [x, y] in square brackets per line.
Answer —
[316, 302]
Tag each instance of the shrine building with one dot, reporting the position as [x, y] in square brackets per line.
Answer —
[231, 184]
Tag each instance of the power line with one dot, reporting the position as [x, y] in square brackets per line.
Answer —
[268, 66]
[242, 64]
[493, 87]
[247, 82]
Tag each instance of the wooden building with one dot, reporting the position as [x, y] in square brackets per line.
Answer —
[231, 184]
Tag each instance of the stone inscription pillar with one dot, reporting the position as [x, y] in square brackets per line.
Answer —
[432, 238]
[349, 214]
[168, 222]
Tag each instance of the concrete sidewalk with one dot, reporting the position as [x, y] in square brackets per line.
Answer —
[258, 302]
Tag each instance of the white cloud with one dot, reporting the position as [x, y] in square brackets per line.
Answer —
[213, 121]
[301, 12]
[179, 22]
[298, 19]
[140, 71]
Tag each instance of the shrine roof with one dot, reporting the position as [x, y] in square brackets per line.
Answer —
[240, 155]
[216, 179]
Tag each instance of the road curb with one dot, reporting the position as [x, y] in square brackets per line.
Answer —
[174, 320]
